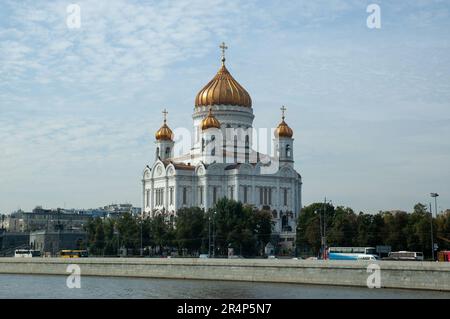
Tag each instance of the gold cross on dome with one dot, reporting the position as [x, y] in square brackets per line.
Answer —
[283, 109]
[223, 47]
[164, 112]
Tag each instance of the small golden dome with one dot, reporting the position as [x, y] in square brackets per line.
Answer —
[209, 121]
[283, 130]
[164, 133]
[223, 89]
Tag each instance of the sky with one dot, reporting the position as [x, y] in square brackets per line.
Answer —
[370, 107]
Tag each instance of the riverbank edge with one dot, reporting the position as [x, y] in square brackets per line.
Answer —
[396, 275]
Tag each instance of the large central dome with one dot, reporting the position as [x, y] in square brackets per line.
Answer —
[223, 89]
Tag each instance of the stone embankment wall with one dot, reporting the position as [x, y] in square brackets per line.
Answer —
[407, 275]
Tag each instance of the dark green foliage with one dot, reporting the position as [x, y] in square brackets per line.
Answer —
[234, 225]
[400, 230]
[191, 231]
[240, 227]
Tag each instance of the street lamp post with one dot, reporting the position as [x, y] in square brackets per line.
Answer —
[435, 195]
[209, 235]
[213, 237]
[324, 240]
[141, 251]
[116, 232]
[323, 227]
[431, 226]
[321, 233]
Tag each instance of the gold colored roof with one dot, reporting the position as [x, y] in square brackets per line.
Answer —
[209, 121]
[164, 133]
[283, 130]
[223, 89]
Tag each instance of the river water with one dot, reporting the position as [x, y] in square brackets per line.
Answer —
[51, 287]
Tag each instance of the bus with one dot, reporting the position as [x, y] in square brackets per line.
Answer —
[405, 255]
[26, 253]
[73, 253]
[352, 253]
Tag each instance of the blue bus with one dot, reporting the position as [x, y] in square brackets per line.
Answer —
[352, 253]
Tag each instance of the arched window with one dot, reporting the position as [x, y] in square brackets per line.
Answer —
[200, 190]
[167, 151]
[284, 221]
[214, 195]
[288, 151]
[203, 144]
[245, 194]
[235, 148]
[184, 195]
[157, 152]
[247, 148]
[224, 149]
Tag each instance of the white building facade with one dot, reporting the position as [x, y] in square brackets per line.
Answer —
[224, 161]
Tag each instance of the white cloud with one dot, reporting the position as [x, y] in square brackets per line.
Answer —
[78, 108]
[116, 37]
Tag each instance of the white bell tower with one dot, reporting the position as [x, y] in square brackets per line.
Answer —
[284, 141]
[164, 140]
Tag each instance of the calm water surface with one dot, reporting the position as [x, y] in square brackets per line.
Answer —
[44, 286]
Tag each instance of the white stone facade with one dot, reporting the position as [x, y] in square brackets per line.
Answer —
[221, 165]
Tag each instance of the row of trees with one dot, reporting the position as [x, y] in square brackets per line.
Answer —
[232, 225]
[343, 227]
[229, 225]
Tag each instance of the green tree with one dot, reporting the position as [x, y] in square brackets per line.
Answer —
[377, 234]
[162, 234]
[129, 231]
[308, 226]
[110, 240]
[99, 238]
[262, 228]
[240, 227]
[419, 230]
[364, 233]
[190, 228]
[343, 230]
[396, 229]
[442, 227]
[90, 228]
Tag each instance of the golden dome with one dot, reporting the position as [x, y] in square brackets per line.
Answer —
[223, 89]
[209, 121]
[283, 130]
[164, 133]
